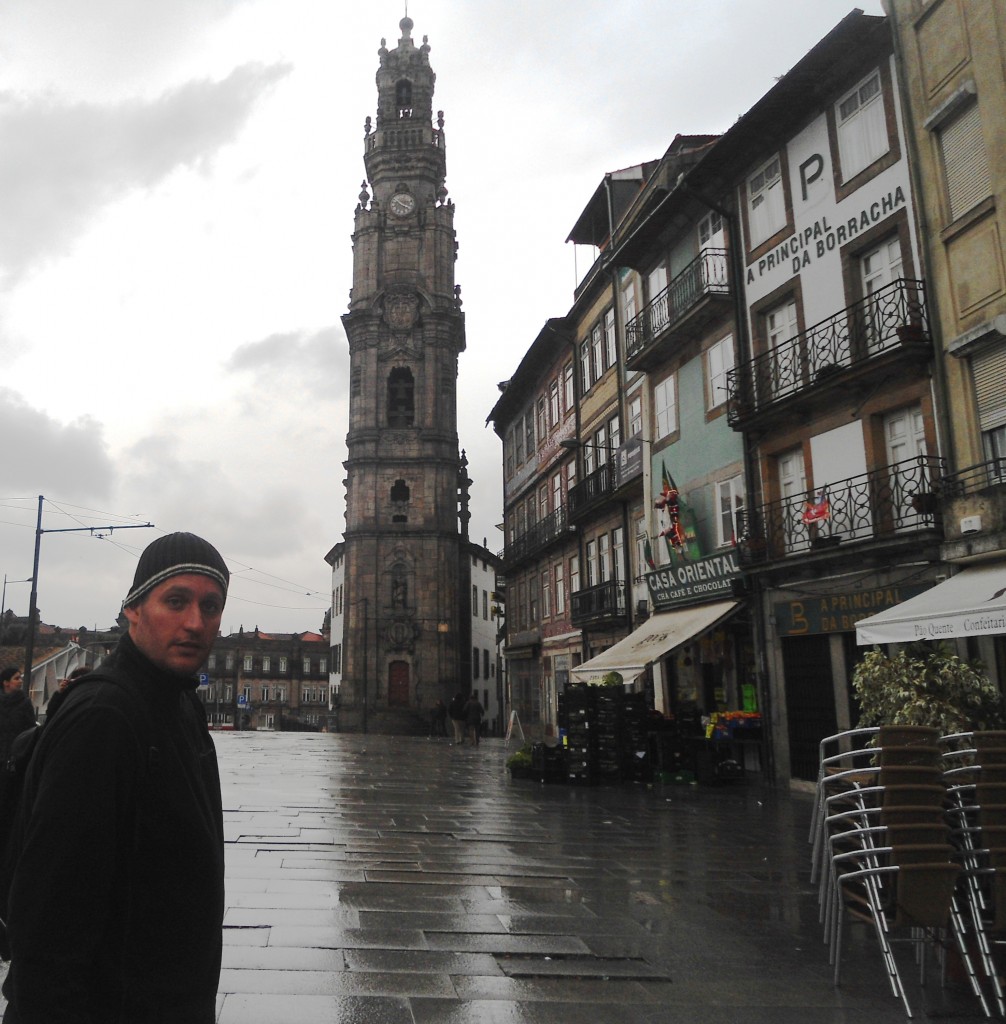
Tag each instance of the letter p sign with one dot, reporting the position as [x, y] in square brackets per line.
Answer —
[810, 170]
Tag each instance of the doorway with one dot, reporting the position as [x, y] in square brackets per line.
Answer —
[398, 684]
[810, 700]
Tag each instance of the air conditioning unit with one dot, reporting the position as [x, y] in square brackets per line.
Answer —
[642, 607]
[971, 524]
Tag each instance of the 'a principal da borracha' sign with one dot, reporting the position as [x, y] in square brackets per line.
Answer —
[691, 582]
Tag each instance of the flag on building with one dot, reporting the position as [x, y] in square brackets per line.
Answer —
[648, 554]
[817, 511]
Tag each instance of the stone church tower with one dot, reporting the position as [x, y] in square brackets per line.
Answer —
[407, 620]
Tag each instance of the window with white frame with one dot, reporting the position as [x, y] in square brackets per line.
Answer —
[560, 589]
[518, 442]
[618, 553]
[766, 201]
[604, 558]
[529, 433]
[641, 538]
[211, 662]
[281, 694]
[665, 406]
[247, 663]
[553, 402]
[597, 349]
[591, 554]
[729, 507]
[546, 595]
[542, 503]
[323, 665]
[574, 574]
[719, 361]
[557, 490]
[586, 379]
[568, 397]
[282, 663]
[711, 231]
[614, 433]
[610, 350]
[965, 160]
[570, 475]
[629, 299]
[229, 660]
[542, 419]
[862, 126]
[601, 445]
[307, 666]
[475, 599]
[485, 605]
[635, 415]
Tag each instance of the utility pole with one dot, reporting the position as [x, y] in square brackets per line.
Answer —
[29, 653]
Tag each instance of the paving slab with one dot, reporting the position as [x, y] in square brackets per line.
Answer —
[406, 881]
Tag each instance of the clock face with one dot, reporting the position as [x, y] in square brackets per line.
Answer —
[402, 204]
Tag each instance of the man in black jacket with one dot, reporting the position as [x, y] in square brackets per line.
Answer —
[16, 712]
[116, 906]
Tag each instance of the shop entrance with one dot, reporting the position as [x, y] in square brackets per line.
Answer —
[398, 684]
[810, 700]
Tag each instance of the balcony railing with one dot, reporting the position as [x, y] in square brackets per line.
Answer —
[537, 537]
[603, 603]
[706, 275]
[893, 316]
[975, 478]
[896, 500]
[591, 490]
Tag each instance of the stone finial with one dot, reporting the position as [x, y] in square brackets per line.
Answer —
[442, 194]
[440, 119]
[364, 195]
[367, 125]
[406, 25]
[457, 296]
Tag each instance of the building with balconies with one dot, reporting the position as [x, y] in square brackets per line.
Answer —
[535, 414]
[952, 68]
[270, 681]
[835, 388]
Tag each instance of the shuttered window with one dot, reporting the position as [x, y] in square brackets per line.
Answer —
[989, 370]
[965, 161]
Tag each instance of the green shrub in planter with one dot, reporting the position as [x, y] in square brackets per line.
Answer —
[612, 679]
[926, 684]
[520, 758]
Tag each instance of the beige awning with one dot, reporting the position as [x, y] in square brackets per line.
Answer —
[657, 636]
[972, 603]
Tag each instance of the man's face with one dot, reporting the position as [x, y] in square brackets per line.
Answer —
[14, 683]
[177, 622]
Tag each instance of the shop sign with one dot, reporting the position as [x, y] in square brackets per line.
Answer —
[628, 461]
[693, 581]
[839, 613]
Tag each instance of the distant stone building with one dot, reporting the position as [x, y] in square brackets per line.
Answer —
[406, 619]
[270, 681]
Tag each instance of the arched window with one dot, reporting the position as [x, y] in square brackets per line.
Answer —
[401, 397]
[403, 98]
[400, 502]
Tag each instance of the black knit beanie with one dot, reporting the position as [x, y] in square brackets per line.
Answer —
[174, 555]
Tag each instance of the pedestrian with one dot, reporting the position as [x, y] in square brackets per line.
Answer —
[57, 698]
[438, 719]
[116, 906]
[456, 711]
[16, 712]
[473, 716]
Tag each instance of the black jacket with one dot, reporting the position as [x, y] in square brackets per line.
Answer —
[116, 906]
[16, 715]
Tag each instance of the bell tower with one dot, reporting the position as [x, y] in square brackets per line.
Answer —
[407, 574]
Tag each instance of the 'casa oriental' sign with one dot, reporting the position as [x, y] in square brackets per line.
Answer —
[691, 582]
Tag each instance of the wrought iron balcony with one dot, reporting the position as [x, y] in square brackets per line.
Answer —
[591, 490]
[603, 604]
[891, 319]
[975, 479]
[894, 502]
[704, 278]
[537, 537]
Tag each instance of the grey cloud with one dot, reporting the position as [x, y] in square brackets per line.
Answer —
[42, 455]
[62, 161]
[315, 363]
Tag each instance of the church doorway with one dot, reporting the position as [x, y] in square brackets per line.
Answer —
[398, 684]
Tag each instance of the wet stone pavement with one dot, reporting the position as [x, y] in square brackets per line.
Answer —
[386, 880]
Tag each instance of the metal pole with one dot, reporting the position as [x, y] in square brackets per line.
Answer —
[29, 653]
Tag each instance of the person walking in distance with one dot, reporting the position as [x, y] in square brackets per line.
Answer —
[456, 711]
[115, 913]
[473, 716]
[16, 712]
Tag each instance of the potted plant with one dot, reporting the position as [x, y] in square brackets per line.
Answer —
[519, 763]
[929, 685]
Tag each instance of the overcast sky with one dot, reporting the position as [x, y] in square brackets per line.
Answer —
[177, 186]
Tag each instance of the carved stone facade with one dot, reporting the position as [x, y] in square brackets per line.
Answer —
[406, 622]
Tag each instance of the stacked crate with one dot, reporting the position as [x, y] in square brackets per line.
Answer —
[609, 734]
[635, 760]
[577, 709]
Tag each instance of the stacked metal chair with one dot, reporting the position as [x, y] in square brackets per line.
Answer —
[976, 775]
[885, 855]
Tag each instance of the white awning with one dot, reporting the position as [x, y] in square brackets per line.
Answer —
[972, 603]
[660, 633]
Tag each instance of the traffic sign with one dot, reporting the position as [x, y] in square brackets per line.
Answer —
[204, 680]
